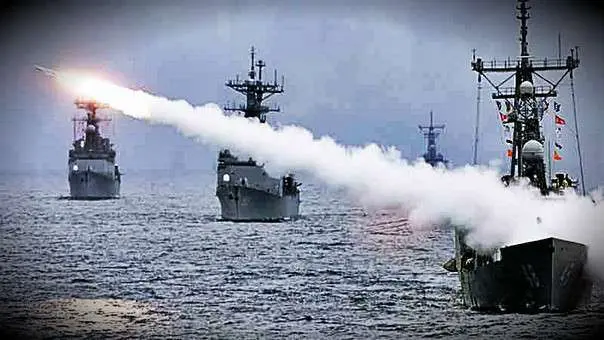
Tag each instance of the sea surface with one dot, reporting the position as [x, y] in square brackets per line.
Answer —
[157, 263]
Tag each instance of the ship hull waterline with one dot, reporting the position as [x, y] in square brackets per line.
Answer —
[89, 185]
[243, 204]
[545, 275]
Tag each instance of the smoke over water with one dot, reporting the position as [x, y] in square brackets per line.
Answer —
[472, 197]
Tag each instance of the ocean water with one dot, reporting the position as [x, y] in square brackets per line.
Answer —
[156, 263]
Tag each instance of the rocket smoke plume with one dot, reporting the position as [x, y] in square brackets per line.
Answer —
[472, 197]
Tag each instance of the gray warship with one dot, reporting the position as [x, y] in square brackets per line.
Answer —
[93, 173]
[245, 191]
[545, 275]
[431, 132]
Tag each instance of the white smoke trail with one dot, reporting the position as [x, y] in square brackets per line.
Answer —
[472, 197]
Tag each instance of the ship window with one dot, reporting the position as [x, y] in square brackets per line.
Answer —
[226, 178]
[75, 167]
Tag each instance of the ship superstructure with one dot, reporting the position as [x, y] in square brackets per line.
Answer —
[93, 173]
[431, 132]
[245, 190]
[546, 274]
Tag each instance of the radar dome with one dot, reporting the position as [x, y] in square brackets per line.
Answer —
[532, 150]
[526, 87]
[90, 128]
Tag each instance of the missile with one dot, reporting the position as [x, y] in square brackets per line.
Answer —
[46, 71]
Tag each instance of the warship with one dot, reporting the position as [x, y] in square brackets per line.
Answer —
[246, 192]
[431, 132]
[545, 275]
[93, 173]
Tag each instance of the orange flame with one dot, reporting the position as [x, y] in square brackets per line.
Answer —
[87, 87]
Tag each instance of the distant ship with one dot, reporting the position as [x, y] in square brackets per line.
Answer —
[245, 191]
[546, 274]
[431, 132]
[93, 173]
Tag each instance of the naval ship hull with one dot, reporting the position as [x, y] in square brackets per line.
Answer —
[244, 204]
[90, 185]
[246, 192]
[546, 275]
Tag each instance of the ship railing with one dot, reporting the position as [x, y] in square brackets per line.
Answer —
[556, 62]
[496, 64]
[510, 92]
[232, 106]
[236, 82]
[85, 154]
[537, 64]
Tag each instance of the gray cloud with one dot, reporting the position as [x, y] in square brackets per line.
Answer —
[360, 73]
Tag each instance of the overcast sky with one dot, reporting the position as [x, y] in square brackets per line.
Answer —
[360, 73]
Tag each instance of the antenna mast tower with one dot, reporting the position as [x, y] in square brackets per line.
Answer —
[255, 90]
[527, 100]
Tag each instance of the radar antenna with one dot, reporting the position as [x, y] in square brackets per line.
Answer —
[91, 107]
[255, 90]
[525, 99]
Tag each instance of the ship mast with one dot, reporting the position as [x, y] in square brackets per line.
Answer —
[431, 132]
[527, 109]
[91, 107]
[477, 123]
[255, 90]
